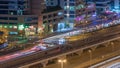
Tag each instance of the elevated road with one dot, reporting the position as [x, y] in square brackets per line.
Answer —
[100, 37]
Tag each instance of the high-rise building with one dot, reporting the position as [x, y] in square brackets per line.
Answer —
[52, 19]
[20, 16]
[14, 7]
[101, 5]
[53, 16]
[37, 6]
[115, 5]
[55, 3]
[76, 9]
[73, 10]
[52, 2]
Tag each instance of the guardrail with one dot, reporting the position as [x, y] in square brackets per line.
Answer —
[104, 62]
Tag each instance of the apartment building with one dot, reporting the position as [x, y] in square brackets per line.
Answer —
[20, 16]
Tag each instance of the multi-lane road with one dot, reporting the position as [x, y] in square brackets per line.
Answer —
[84, 61]
[101, 35]
[78, 31]
[43, 46]
[51, 40]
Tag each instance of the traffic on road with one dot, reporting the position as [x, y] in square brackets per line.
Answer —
[59, 39]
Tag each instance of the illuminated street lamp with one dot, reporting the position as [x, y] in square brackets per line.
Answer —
[86, 21]
[62, 62]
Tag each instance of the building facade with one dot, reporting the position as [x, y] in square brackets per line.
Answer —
[74, 10]
[115, 5]
[53, 16]
[3, 38]
[52, 19]
[20, 16]
[101, 5]
[52, 2]
[37, 6]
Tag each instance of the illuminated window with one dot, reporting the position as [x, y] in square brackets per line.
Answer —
[20, 27]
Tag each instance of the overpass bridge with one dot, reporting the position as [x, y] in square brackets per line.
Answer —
[95, 39]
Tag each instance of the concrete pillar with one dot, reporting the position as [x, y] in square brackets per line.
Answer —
[62, 57]
[79, 52]
[44, 63]
[106, 45]
[71, 54]
[93, 48]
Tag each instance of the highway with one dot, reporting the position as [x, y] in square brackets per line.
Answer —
[94, 25]
[83, 60]
[39, 47]
[36, 48]
[85, 44]
[82, 30]
[50, 40]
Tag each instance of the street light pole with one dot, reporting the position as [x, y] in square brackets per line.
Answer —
[103, 57]
[90, 52]
[62, 62]
[112, 44]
